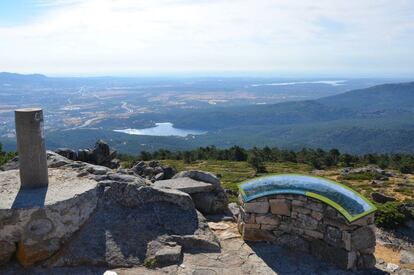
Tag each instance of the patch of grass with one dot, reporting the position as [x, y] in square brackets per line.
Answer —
[5, 157]
[234, 172]
[361, 176]
[231, 173]
[408, 191]
[150, 263]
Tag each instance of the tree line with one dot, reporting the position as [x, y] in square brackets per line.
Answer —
[256, 157]
[5, 156]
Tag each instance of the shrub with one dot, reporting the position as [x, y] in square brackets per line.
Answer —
[5, 156]
[389, 215]
[406, 169]
[362, 176]
[150, 263]
[257, 164]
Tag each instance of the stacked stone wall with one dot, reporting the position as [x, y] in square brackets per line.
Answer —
[309, 225]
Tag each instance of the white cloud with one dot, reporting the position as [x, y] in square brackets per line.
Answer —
[138, 36]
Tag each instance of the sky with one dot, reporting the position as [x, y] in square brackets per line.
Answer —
[273, 37]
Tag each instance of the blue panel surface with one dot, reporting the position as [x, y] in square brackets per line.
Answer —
[351, 204]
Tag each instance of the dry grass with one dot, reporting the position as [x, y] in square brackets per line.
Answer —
[234, 172]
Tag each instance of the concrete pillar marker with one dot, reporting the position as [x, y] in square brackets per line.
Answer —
[31, 148]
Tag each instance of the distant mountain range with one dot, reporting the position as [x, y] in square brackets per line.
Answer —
[12, 77]
[377, 98]
[383, 101]
[377, 119]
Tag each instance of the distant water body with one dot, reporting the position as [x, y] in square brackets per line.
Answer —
[161, 129]
[327, 82]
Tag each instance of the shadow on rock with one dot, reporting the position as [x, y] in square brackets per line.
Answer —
[135, 225]
[29, 198]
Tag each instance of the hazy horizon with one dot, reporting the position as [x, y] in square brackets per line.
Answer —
[228, 75]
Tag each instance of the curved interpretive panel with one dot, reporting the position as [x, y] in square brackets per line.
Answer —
[312, 214]
[348, 202]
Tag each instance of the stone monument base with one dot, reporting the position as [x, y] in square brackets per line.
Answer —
[311, 226]
[34, 223]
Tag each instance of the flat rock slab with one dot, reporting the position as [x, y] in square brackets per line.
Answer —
[186, 185]
[63, 185]
[40, 220]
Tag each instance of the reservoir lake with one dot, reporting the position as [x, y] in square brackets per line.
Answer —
[161, 129]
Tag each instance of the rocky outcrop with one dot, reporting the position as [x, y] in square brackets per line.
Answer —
[54, 160]
[407, 257]
[203, 187]
[311, 226]
[378, 173]
[153, 170]
[162, 254]
[40, 220]
[11, 165]
[200, 176]
[92, 215]
[129, 219]
[102, 154]
[408, 210]
[186, 185]
[7, 251]
[381, 198]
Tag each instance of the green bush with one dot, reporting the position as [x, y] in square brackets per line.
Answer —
[389, 215]
[150, 263]
[257, 164]
[406, 169]
[361, 176]
[5, 157]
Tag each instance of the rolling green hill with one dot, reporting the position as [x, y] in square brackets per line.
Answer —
[377, 119]
[378, 98]
[383, 101]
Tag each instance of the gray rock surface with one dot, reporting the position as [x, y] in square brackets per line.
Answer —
[64, 184]
[235, 257]
[129, 216]
[163, 254]
[154, 171]
[40, 220]
[54, 160]
[407, 257]
[186, 185]
[212, 201]
[200, 176]
[7, 250]
[234, 209]
[119, 212]
[381, 198]
[67, 153]
[102, 155]
[378, 173]
[11, 165]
